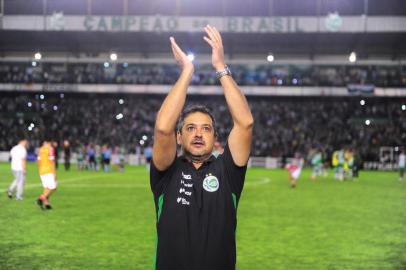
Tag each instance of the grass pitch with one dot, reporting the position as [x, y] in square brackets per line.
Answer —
[107, 221]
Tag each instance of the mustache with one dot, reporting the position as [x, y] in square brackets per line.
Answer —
[198, 140]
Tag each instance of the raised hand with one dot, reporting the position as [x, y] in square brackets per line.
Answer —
[180, 57]
[213, 38]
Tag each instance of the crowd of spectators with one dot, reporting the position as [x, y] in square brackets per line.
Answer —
[283, 125]
[253, 75]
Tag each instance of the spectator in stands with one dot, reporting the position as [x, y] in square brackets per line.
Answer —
[67, 154]
[328, 121]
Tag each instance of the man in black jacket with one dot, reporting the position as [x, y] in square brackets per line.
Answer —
[196, 194]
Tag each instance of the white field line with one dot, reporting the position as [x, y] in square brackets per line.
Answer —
[262, 181]
[106, 186]
[67, 180]
[66, 183]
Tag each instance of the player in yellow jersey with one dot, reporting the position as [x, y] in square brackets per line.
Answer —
[334, 163]
[47, 172]
[349, 163]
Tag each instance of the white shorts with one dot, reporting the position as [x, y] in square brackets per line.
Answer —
[48, 180]
[295, 174]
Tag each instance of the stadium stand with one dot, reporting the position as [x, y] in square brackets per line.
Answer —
[263, 75]
[309, 41]
[284, 125]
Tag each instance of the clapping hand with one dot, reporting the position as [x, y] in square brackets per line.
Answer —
[213, 38]
[184, 62]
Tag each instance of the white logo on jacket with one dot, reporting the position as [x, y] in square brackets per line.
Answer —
[186, 176]
[211, 183]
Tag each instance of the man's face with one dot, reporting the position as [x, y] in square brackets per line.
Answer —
[197, 135]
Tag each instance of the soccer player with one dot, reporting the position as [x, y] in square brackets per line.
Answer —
[67, 155]
[218, 149]
[148, 156]
[121, 156]
[116, 159]
[56, 152]
[106, 157]
[47, 173]
[91, 157]
[196, 195]
[295, 168]
[349, 163]
[402, 164]
[357, 164]
[340, 165]
[317, 163]
[81, 158]
[18, 161]
[334, 163]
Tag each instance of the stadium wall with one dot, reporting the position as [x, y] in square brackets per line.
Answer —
[259, 162]
[131, 159]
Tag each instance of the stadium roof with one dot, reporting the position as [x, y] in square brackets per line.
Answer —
[207, 7]
[368, 45]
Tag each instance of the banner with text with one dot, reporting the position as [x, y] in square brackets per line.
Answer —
[331, 23]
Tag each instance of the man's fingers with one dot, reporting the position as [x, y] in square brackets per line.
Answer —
[217, 33]
[173, 43]
[175, 46]
[209, 41]
[172, 40]
[211, 30]
[175, 54]
[210, 33]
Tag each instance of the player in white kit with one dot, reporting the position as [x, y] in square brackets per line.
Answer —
[402, 164]
[18, 161]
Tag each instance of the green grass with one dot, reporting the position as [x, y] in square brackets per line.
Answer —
[107, 221]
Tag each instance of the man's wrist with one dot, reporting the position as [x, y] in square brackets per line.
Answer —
[188, 69]
[220, 67]
[187, 72]
[223, 72]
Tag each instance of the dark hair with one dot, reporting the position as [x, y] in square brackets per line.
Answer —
[21, 136]
[192, 109]
[46, 138]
